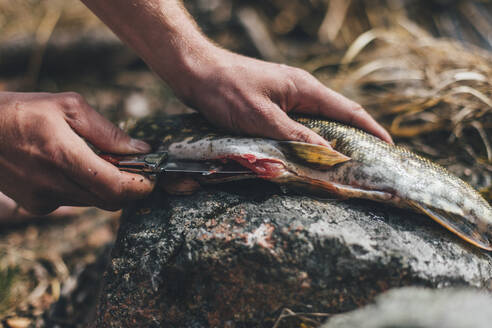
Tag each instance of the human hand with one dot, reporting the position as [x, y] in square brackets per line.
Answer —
[251, 96]
[242, 94]
[45, 163]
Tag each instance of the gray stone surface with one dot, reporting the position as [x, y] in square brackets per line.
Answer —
[421, 308]
[236, 255]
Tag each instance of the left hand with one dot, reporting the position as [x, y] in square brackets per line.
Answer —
[251, 96]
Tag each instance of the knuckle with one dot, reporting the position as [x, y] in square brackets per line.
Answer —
[299, 134]
[266, 116]
[357, 108]
[72, 114]
[233, 122]
[54, 153]
[257, 116]
[297, 81]
[291, 89]
[356, 113]
[263, 112]
[115, 134]
[71, 100]
[302, 75]
[36, 138]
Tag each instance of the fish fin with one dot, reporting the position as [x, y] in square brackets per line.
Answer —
[216, 179]
[312, 155]
[346, 192]
[454, 223]
[341, 192]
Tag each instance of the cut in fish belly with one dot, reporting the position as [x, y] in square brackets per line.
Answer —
[263, 168]
[362, 166]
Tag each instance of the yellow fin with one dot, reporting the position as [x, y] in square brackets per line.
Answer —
[320, 157]
[456, 224]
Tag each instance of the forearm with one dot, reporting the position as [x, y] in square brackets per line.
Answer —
[161, 32]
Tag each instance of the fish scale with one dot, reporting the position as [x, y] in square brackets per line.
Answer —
[412, 180]
[368, 149]
[364, 167]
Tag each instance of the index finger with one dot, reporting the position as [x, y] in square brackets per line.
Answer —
[321, 100]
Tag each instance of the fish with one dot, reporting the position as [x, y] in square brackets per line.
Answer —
[359, 166]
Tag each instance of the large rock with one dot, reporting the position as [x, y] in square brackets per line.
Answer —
[422, 308]
[236, 255]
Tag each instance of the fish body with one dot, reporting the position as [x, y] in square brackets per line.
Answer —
[408, 180]
[365, 168]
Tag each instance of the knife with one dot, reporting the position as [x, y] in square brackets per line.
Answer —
[160, 162]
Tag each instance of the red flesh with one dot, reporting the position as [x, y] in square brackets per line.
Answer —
[266, 168]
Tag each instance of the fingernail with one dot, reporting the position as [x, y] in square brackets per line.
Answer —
[140, 146]
[323, 142]
[389, 139]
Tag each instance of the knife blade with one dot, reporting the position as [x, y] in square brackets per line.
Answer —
[161, 162]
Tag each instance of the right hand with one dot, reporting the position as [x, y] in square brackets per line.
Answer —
[253, 97]
[45, 163]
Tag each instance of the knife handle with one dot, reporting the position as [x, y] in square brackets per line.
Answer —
[146, 163]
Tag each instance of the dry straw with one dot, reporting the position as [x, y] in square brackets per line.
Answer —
[419, 85]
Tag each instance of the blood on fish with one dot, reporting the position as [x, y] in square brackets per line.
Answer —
[251, 158]
[263, 167]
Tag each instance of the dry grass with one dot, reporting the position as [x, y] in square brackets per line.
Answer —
[417, 84]
[24, 18]
[38, 260]
[303, 320]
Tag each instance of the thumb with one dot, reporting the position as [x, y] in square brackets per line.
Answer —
[99, 131]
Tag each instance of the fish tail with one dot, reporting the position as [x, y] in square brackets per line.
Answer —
[455, 223]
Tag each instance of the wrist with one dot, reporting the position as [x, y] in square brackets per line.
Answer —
[193, 67]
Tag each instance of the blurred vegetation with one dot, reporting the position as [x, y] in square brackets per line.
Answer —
[421, 67]
[40, 18]
[7, 277]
